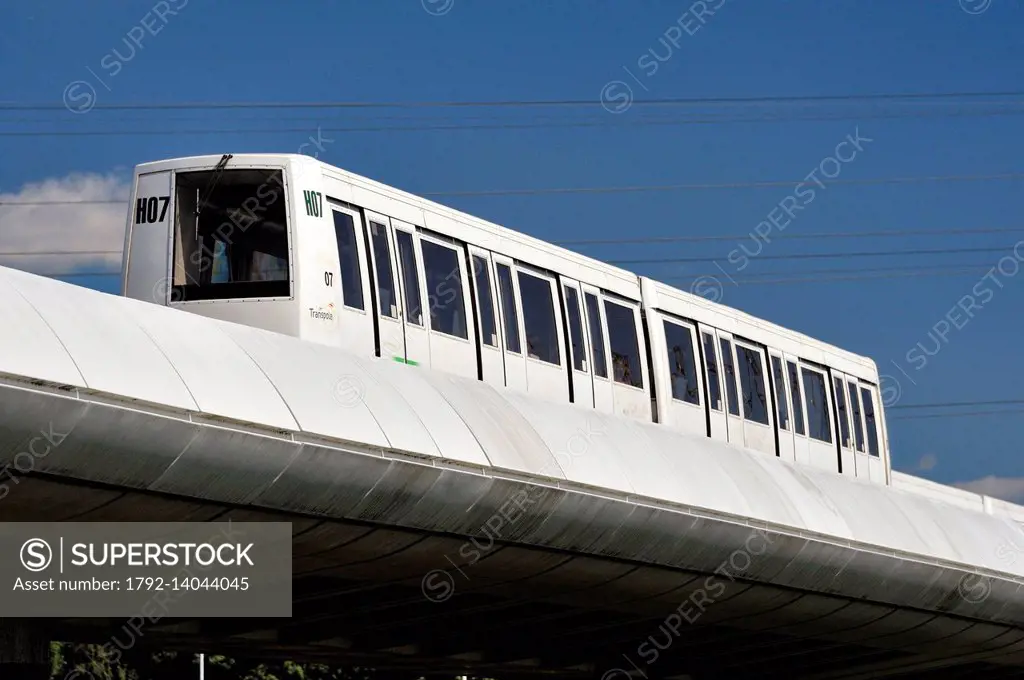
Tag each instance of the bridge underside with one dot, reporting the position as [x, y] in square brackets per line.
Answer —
[414, 603]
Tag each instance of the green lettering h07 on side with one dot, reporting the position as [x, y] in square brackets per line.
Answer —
[314, 202]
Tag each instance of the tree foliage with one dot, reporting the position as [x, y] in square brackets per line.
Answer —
[71, 661]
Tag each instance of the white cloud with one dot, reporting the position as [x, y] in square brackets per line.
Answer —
[78, 228]
[928, 462]
[1007, 488]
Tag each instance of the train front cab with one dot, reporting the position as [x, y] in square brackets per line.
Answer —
[216, 236]
[734, 378]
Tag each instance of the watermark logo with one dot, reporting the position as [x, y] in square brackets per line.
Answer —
[892, 391]
[693, 607]
[319, 143]
[36, 555]
[618, 674]
[708, 287]
[79, 674]
[437, 8]
[975, 6]
[348, 391]
[24, 462]
[80, 95]
[974, 588]
[782, 215]
[165, 291]
[616, 95]
[438, 585]
[954, 320]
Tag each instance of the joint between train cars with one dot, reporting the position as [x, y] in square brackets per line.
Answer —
[650, 361]
[372, 279]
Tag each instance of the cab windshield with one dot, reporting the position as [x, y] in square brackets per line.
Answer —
[230, 235]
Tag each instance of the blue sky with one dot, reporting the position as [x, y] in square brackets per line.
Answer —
[476, 50]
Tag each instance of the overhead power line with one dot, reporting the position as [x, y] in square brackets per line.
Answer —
[840, 270]
[725, 185]
[514, 103]
[814, 256]
[609, 121]
[959, 404]
[965, 414]
[858, 277]
[968, 109]
[637, 188]
[788, 237]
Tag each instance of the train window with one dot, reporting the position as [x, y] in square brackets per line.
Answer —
[798, 400]
[508, 309]
[844, 422]
[818, 426]
[858, 427]
[681, 363]
[714, 384]
[579, 352]
[410, 278]
[596, 335]
[730, 376]
[444, 278]
[755, 395]
[348, 258]
[386, 300]
[224, 250]
[780, 393]
[624, 346]
[483, 291]
[539, 319]
[869, 417]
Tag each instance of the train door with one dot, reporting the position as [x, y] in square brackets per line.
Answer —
[801, 442]
[631, 393]
[873, 435]
[449, 319]
[677, 380]
[511, 323]
[821, 445]
[491, 361]
[352, 298]
[581, 368]
[846, 432]
[783, 412]
[862, 408]
[755, 398]
[713, 373]
[547, 374]
[733, 415]
[391, 335]
[414, 322]
[604, 400]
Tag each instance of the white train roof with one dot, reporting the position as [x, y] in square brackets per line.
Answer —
[163, 400]
[368, 193]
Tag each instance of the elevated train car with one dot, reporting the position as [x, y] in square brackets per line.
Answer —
[290, 244]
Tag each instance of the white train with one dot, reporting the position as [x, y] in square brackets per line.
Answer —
[290, 244]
